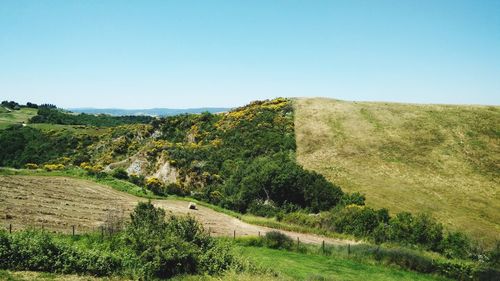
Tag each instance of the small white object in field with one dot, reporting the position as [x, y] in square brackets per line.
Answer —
[192, 206]
[24, 125]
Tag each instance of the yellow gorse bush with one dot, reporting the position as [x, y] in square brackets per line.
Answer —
[31, 166]
[91, 168]
[153, 182]
[53, 167]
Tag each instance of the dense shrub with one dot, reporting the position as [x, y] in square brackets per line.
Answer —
[355, 198]
[155, 185]
[281, 180]
[277, 240]
[406, 259]
[420, 262]
[487, 274]
[357, 220]
[137, 179]
[37, 251]
[263, 208]
[152, 246]
[22, 145]
[304, 219]
[176, 189]
[401, 227]
[218, 258]
[426, 231]
[173, 246]
[378, 226]
[120, 173]
[494, 256]
[416, 230]
[456, 245]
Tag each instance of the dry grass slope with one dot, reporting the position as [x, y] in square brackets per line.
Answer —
[440, 159]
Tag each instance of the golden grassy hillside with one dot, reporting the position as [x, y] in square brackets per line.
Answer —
[440, 159]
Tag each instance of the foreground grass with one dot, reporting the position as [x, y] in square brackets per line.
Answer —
[8, 275]
[285, 265]
[419, 158]
[299, 266]
[234, 276]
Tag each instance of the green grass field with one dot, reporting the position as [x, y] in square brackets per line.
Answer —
[440, 159]
[23, 115]
[299, 266]
[8, 118]
[282, 265]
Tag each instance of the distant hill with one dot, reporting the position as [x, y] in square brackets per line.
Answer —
[440, 159]
[148, 112]
[9, 117]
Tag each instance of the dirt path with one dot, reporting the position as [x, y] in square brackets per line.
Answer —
[57, 203]
[223, 225]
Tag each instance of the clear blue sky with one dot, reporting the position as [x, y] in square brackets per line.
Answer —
[141, 54]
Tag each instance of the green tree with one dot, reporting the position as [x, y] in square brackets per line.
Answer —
[282, 181]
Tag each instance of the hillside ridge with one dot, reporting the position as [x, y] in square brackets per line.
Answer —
[440, 159]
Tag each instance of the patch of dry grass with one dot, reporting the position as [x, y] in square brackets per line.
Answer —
[440, 159]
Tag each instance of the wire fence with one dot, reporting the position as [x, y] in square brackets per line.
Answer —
[107, 231]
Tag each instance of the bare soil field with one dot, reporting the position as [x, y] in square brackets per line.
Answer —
[58, 203]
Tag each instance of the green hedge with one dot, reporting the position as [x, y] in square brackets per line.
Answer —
[152, 246]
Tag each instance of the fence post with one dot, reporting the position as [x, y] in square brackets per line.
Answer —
[73, 230]
[234, 234]
[102, 232]
[298, 242]
[323, 246]
[259, 234]
[10, 228]
[348, 249]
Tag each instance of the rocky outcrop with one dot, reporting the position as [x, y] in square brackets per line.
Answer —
[166, 172]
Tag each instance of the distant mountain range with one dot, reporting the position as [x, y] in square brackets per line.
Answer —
[148, 112]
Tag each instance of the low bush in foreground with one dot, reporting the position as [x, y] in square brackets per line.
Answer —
[152, 246]
[277, 240]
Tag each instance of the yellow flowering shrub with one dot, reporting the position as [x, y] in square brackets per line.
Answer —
[153, 182]
[53, 167]
[91, 168]
[31, 166]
